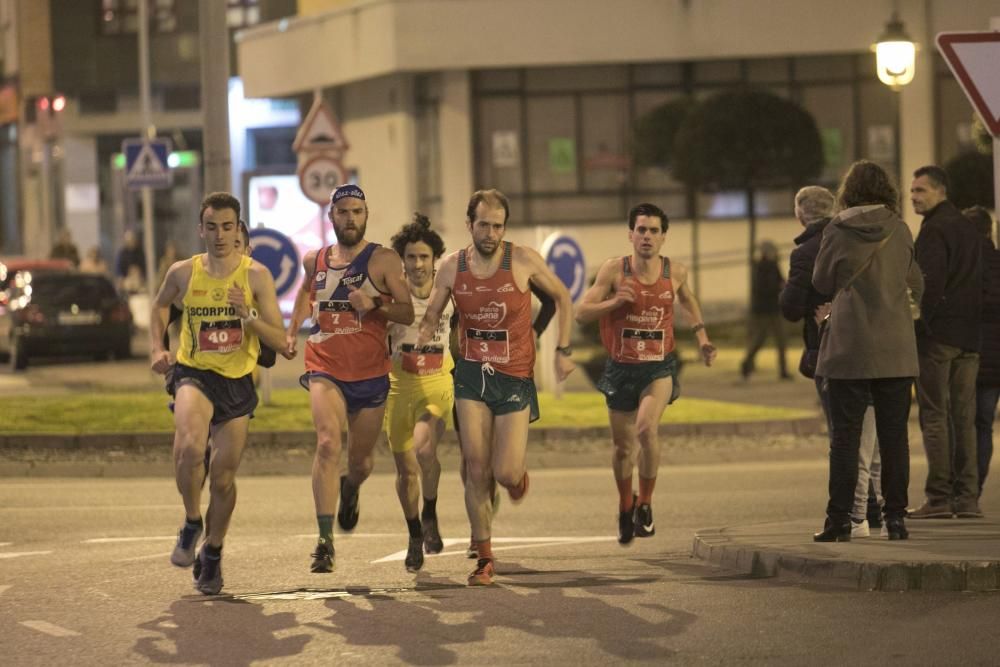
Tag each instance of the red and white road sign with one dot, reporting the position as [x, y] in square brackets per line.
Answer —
[319, 176]
[974, 59]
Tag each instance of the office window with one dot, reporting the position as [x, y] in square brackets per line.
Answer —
[121, 17]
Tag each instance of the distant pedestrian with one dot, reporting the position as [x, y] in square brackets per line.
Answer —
[988, 378]
[869, 352]
[130, 265]
[64, 248]
[765, 313]
[950, 254]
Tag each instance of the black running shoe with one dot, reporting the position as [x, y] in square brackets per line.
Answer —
[187, 543]
[433, 544]
[644, 521]
[323, 558]
[414, 554]
[626, 524]
[347, 513]
[209, 580]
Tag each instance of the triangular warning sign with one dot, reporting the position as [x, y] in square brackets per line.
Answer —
[147, 165]
[973, 58]
[320, 131]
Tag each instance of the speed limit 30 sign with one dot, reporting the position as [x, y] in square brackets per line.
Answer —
[319, 175]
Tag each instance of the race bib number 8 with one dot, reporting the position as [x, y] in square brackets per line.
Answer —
[642, 344]
[487, 345]
[220, 336]
[336, 317]
[426, 360]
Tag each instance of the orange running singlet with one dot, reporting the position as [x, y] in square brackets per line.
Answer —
[494, 318]
[342, 342]
[644, 330]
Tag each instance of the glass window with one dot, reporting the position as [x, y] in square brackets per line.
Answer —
[658, 74]
[605, 149]
[879, 126]
[122, 16]
[499, 149]
[824, 68]
[552, 79]
[954, 119]
[242, 13]
[576, 208]
[719, 71]
[552, 149]
[832, 106]
[652, 177]
[768, 70]
[498, 80]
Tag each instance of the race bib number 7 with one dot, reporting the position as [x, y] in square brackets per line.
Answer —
[337, 317]
[642, 344]
[220, 336]
[487, 345]
[426, 360]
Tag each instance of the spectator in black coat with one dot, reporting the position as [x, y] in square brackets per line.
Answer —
[765, 315]
[949, 252]
[988, 379]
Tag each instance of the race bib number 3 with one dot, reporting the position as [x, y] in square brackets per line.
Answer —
[337, 317]
[642, 344]
[220, 336]
[426, 360]
[487, 345]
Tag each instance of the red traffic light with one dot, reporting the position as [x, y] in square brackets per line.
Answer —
[43, 103]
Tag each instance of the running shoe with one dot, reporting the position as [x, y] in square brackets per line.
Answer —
[626, 523]
[644, 521]
[414, 554]
[483, 574]
[472, 551]
[518, 492]
[209, 580]
[347, 513]
[323, 558]
[433, 544]
[187, 543]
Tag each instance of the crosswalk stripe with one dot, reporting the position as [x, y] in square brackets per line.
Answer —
[50, 629]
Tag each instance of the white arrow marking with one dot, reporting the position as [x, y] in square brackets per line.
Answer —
[287, 267]
[115, 540]
[18, 554]
[50, 629]
[267, 242]
[534, 542]
[577, 279]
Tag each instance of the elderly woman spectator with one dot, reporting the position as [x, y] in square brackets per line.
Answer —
[866, 261]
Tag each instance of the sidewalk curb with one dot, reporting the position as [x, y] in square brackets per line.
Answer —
[716, 547]
[139, 442]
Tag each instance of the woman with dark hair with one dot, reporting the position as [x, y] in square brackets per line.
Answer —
[866, 261]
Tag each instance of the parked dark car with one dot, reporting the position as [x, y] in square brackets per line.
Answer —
[49, 312]
[11, 266]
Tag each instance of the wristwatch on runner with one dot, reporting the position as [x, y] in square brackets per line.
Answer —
[252, 315]
[378, 302]
[565, 350]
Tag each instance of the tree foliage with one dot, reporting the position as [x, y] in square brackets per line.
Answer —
[747, 139]
[653, 139]
[971, 179]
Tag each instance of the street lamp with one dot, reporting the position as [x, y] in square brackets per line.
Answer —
[895, 55]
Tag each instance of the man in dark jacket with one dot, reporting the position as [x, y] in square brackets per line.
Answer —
[765, 318]
[988, 379]
[949, 252]
[799, 299]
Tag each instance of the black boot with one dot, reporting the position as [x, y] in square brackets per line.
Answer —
[834, 532]
[896, 529]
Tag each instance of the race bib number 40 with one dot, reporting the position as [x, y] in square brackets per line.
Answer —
[220, 336]
[487, 345]
[642, 344]
[426, 360]
[337, 317]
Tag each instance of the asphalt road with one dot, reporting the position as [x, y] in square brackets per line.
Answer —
[84, 578]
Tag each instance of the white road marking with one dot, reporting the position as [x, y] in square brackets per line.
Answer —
[88, 508]
[347, 536]
[18, 554]
[50, 629]
[532, 542]
[5, 544]
[3, 589]
[146, 557]
[115, 540]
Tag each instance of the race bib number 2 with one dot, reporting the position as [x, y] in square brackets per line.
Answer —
[220, 336]
[487, 345]
[422, 360]
[642, 344]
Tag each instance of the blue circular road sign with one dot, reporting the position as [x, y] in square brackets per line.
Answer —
[565, 257]
[277, 252]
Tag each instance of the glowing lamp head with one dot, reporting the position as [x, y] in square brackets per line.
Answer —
[895, 55]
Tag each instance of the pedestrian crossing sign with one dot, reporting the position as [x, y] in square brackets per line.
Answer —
[146, 163]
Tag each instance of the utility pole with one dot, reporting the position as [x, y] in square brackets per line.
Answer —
[213, 38]
[148, 134]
